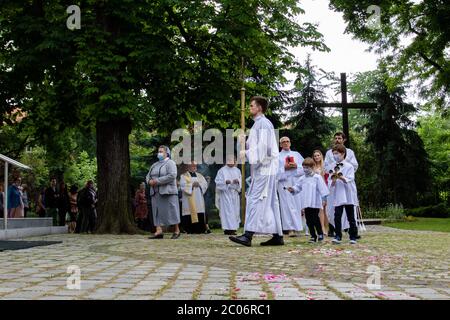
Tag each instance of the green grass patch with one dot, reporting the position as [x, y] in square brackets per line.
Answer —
[426, 224]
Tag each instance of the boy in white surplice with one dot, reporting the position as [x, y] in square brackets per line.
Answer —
[313, 191]
[342, 194]
[228, 186]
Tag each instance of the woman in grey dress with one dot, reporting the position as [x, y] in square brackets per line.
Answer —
[164, 193]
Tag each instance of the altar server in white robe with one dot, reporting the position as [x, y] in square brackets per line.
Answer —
[193, 186]
[340, 138]
[313, 190]
[342, 195]
[262, 213]
[228, 186]
[290, 170]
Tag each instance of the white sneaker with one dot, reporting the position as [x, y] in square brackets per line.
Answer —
[353, 242]
[336, 240]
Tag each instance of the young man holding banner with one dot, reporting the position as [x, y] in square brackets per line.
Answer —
[262, 213]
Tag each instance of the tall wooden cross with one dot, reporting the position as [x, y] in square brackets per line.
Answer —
[344, 105]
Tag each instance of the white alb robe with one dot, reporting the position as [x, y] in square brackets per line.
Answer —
[291, 217]
[197, 193]
[262, 214]
[312, 190]
[342, 193]
[227, 197]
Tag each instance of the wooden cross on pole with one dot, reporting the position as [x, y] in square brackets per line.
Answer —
[344, 105]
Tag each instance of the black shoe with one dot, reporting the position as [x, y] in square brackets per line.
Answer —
[232, 232]
[320, 238]
[312, 240]
[241, 240]
[157, 236]
[208, 231]
[275, 241]
[358, 237]
[175, 235]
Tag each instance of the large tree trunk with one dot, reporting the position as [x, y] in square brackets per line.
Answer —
[113, 166]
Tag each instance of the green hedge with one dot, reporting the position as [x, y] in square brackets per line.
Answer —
[436, 211]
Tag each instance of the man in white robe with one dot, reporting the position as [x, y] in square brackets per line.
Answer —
[262, 214]
[193, 186]
[288, 174]
[228, 186]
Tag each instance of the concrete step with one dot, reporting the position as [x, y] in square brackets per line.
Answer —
[18, 223]
[372, 221]
[31, 232]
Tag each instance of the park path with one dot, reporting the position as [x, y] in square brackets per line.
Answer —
[209, 267]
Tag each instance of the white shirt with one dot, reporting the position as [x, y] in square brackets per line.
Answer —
[312, 189]
[343, 193]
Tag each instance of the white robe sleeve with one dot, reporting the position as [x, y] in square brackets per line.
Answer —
[349, 174]
[351, 158]
[322, 187]
[238, 186]
[220, 181]
[203, 183]
[297, 187]
[329, 160]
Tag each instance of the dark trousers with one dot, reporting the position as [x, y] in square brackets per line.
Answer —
[86, 220]
[196, 228]
[52, 213]
[350, 211]
[313, 222]
[62, 217]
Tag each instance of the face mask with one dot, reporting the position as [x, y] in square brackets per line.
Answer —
[337, 157]
[160, 156]
[308, 171]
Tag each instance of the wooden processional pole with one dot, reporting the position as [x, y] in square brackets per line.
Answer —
[242, 144]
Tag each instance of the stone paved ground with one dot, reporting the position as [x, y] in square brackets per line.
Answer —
[414, 265]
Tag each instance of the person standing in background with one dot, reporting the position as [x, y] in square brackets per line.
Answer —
[290, 170]
[15, 203]
[228, 187]
[25, 200]
[73, 208]
[40, 204]
[63, 204]
[140, 201]
[51, 201]
[194, 186]
[319, 168]
[87, 200]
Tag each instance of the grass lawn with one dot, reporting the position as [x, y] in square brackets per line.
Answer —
[429, 224]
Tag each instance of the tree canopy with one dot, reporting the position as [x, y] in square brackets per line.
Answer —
[412, 36]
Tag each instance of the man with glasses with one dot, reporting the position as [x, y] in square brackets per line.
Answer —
[290, 169]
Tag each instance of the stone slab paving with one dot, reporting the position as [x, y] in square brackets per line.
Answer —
[412, 265]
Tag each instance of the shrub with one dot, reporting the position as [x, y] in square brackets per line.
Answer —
[390, 212]
[437, 211]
